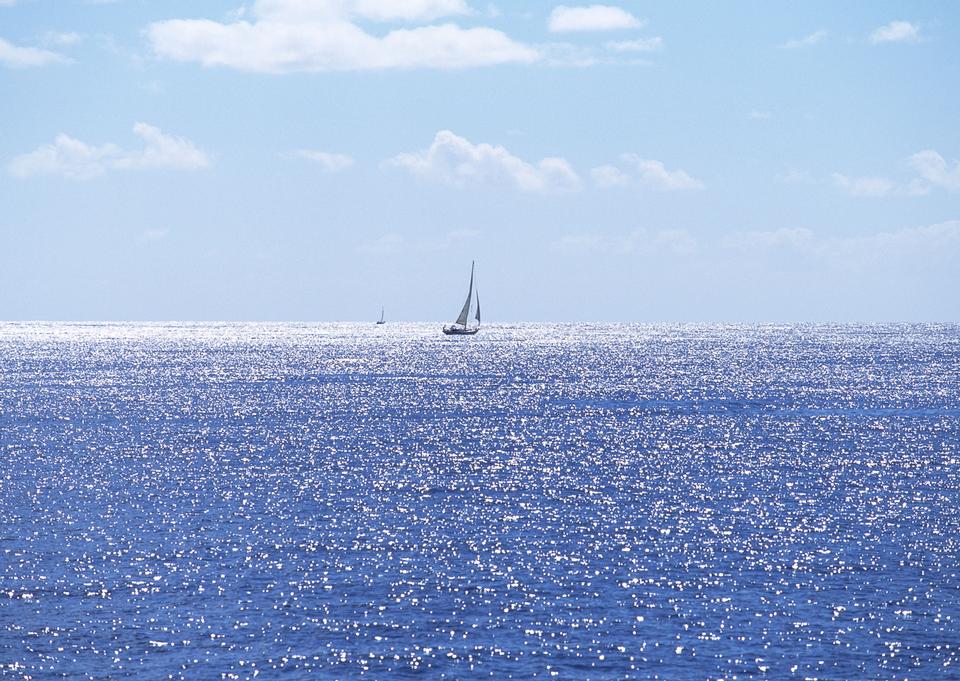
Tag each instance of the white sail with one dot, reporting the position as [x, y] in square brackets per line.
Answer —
[478, 308]
[465, 312]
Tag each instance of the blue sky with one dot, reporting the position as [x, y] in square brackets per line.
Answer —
[631, 161]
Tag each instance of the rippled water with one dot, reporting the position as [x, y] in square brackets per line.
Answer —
[225, 501]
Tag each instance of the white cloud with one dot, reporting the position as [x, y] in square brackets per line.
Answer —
[302, 35]
[66, 156]
[609, 176]
[62, 38]
[896, 32]
[163, 151]
[331, 163]
[21, 57]
[80, 161]
[871, 187]
[933, 168]
[654, 174]
[646, 172]
[806, 41]
[373, 10]
[756, 115]
[456, 161]
[565, 19]
[640, 45]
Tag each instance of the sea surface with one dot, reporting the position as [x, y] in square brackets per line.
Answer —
[230, 501]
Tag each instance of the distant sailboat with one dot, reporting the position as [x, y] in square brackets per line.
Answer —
[381, 320]
[460, 327]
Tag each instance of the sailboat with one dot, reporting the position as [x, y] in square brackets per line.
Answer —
[381, 320]
[461, 327]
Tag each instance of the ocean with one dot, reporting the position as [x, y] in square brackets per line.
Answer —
[231, 501]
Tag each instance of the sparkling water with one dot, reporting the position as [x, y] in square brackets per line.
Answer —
[537, 501]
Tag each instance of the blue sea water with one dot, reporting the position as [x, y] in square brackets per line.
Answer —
[228, 501]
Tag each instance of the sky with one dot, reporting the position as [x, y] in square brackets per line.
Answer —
[312, 160]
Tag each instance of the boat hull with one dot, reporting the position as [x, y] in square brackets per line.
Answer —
[459, 331]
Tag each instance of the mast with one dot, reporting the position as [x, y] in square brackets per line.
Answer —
[465, 312]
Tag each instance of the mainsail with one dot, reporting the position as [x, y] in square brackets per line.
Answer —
[465, 312]
[460, 327]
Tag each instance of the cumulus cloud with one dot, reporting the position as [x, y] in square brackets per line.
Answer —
[66, 156]
[300, 35]
[23, 57]
[163, 151]
[896, 32]
[655, 175]
[565, 19]
[456, 161]
[373, 10]
[606, 176]
[331, 163]
[806, 41]
[933, 169]
[646, 172]
[77, 160]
